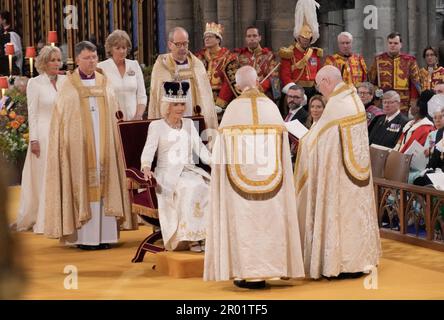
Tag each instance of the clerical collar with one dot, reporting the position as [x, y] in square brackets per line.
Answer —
[83, 76]
[181, 63]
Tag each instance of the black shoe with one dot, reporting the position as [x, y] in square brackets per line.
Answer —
[249, 284]
[105, 246]
[345, 275]
[350, 275]
[87, 247]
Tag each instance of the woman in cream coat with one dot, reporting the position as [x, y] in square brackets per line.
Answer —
[124, 75]
[41, 93]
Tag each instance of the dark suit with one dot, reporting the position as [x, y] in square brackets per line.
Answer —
[387, 133]
[301, 115]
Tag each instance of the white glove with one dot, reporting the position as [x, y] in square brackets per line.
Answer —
[218, 109]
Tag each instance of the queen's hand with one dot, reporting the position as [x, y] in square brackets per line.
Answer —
[147, 173]
[35, 148]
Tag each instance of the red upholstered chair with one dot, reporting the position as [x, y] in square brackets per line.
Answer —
[132, 136]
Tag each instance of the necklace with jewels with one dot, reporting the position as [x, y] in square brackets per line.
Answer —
[174, 126]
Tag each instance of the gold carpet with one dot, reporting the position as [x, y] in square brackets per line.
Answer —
[405, 272]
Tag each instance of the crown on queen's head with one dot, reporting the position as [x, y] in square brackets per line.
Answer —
[175, 91]
[214, 28]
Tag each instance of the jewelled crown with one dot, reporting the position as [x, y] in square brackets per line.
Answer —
[175, 91]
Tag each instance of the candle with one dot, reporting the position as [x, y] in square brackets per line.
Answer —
[30, 54]
[52, 37]
[9, 50]
[4, 84]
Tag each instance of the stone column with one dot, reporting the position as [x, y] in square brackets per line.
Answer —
[282, 23]
[248, 17]
[225, 15]
[263, 21]
[402, 22]
[180, 13]
[204, 11]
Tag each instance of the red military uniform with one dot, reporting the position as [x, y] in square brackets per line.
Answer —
[214, 64]
[299, 66]
[262, 59]
[400, 73]
[353, 67]
[430, 79]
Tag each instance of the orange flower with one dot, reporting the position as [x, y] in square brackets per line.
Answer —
[14, 124]
[21, 119]
[12, 115]
[3, 112]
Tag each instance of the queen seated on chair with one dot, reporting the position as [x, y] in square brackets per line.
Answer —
[182, 187]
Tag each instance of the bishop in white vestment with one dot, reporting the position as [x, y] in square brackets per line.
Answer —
[252, 231]
[334, 186]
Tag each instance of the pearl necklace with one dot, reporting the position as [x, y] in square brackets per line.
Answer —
[177, 126]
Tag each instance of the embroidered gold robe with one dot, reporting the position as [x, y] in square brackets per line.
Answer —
[165, 69]
[353, 68]
[429, 79]
[72, 181]
[334, 190]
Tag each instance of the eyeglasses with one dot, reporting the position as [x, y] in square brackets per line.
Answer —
[181, 44]
[364, 93]
[388, 102]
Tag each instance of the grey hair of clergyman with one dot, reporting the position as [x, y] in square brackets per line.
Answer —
[173, 31]
[82, 46]
[246, 76]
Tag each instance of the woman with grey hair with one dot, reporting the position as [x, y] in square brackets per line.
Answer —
[183, 188]
[124, 75]
[366, 92]
[41, 94]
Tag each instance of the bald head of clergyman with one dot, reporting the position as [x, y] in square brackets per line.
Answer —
[327, 79]
[246, 77]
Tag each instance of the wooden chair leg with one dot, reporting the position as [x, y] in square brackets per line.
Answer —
[148, 245]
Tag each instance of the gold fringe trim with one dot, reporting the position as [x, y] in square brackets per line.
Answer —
[248, 195]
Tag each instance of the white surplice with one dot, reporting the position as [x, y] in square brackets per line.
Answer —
[334, 190]
[251, 236]
[41, 96]
[182, 192]
[100, 228]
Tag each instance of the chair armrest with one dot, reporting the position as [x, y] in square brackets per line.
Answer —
[137, 177]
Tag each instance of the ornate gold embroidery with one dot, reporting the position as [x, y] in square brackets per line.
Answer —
[352, 166]
[329, 125]
[198, 212]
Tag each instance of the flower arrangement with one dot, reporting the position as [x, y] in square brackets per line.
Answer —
[14, 132]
